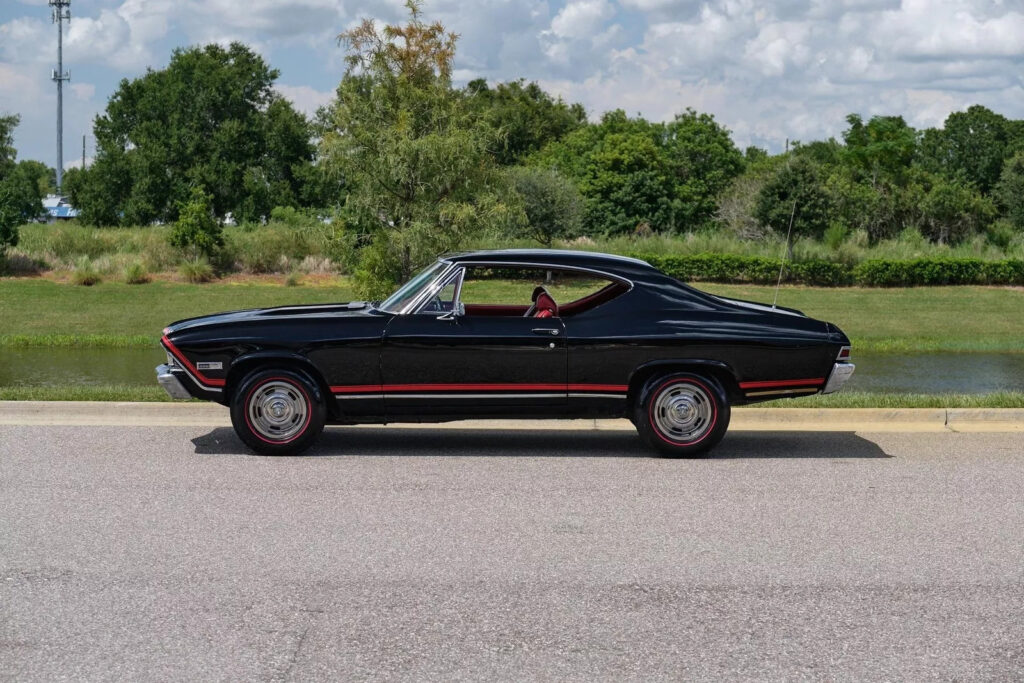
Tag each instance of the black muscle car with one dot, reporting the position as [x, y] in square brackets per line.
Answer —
[511, 334]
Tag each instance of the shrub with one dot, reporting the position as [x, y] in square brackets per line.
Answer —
[85, 273]
[196, 272]
[835, 235]
[964, 271]
[197, 230]
[293, 279]
[136, 274]
[871, 273]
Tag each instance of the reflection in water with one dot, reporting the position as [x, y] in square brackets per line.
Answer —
[975, 373]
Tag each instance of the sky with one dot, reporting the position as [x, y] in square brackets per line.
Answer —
[769, 71]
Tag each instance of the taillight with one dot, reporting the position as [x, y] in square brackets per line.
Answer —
[844, 353]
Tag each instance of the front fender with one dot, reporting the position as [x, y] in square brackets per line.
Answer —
[248, 362]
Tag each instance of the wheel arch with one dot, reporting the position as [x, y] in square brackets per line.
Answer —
[715, 369]
[243, 365]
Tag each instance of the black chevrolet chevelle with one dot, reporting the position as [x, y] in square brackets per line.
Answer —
[510, 334]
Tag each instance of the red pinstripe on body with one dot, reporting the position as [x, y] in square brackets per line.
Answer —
[783, 383]
[188, 364]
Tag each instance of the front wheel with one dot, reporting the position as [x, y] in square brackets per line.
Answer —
[682, 415]
[277, 412]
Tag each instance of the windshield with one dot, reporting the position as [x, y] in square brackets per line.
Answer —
[407, 292]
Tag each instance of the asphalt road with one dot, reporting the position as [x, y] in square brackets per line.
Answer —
[171, 554]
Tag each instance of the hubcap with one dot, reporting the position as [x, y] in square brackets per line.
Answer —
[277, 410]
[683, 412]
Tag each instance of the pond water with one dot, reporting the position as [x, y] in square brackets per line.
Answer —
[973, 373]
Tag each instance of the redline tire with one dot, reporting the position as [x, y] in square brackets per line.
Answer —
[682, 415]
[277, 412]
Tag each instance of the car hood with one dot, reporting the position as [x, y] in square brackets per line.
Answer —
[283, 313]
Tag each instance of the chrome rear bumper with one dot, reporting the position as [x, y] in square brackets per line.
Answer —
[171, 384]
[840, 373]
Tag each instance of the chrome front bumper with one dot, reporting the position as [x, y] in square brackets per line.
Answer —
[171, 384]
[840, 373]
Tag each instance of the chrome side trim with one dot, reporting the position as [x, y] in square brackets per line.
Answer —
[171, 384]
[553, 394]
[783, 392]
[841, 372]
[597, 395]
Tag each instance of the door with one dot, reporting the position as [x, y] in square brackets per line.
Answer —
[443, 364]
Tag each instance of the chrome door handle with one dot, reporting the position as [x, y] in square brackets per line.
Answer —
[546, 330]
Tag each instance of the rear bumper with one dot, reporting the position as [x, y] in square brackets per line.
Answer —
[841, 372]
[166, 378]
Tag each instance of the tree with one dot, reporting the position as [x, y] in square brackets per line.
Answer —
[10, 219]
[551, 202]
[704, 161]
[525, 117]
[880, 150]
[972, 146]
[795, 195]
[7, 152]
[632, 172]
[1010, 190]
[953, 209]
[196, 229]
[41, 176]
[210, 118]
[416, 160]
[20, 191]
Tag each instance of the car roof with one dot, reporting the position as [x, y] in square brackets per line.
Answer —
[610, 263]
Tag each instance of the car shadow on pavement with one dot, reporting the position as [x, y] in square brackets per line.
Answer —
[554, 443]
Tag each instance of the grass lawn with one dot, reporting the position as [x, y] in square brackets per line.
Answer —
[906, 319]
[40, 312]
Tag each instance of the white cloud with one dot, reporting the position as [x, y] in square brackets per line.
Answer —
[581, 18]
[304, 98]
[83, 91]
[768, 69]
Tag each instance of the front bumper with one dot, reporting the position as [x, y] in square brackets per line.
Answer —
[841, 372]
[171, 384]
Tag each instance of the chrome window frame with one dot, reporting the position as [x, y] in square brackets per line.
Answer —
[437, 286]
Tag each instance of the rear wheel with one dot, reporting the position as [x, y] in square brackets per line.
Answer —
[682, 415]
[277, 412]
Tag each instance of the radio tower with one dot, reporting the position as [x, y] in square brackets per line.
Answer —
[61, 12]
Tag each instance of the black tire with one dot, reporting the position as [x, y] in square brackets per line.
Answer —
[681, 415]
[277, 412]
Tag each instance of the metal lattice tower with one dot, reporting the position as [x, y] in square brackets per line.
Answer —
[60, 13]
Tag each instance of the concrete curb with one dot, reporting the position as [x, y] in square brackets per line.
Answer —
[110, 414]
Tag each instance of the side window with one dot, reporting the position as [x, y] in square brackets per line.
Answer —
[444, 300]
[494, 290]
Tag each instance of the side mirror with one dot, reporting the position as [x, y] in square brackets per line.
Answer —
[458, 310]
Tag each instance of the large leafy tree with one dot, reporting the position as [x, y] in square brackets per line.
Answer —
[416, 159]
[7, 152]
[972, 146]
[210, 118]
[880, 150]
[20, 189]
[796, 195]
[525, 116]
[1010, 190]
[704, 161]
[632, 172]
[551, 203]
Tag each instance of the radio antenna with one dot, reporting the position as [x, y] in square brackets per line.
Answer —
[785, 254]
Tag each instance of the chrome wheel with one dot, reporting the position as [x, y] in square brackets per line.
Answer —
[278, 410]
[683, 412]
